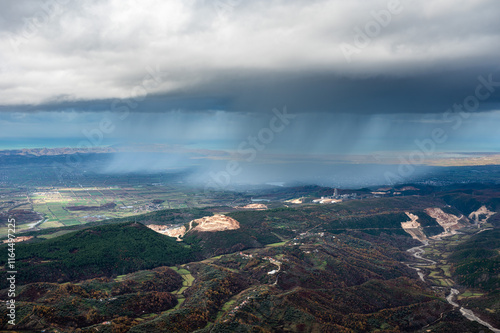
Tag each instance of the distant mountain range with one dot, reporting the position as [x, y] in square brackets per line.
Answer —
[434, 159]
[91, 150]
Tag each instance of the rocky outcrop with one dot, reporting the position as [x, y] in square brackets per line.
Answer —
[449, 222]
[215, 223]
[413, 228]
[481, 215]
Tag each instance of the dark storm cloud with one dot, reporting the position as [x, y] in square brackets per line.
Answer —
[247, 56]
[310, 92]
[322, 92]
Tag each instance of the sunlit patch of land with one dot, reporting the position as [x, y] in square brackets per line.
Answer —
[53, 207]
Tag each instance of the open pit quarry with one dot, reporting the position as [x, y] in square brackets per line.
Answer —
[213, 223]
[176, 232]
[413, 228]
[481, 212]
[449, 222]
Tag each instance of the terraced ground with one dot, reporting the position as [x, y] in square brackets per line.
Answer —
[470, 263]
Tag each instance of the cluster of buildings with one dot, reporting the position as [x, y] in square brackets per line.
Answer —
[270, 259]
[246, 256]
[309, 234]
[148, 207]
[336, 197]
[309, 252]
[273, 261]
[107, 299]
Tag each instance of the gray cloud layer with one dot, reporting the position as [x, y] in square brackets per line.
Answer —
[247, 56]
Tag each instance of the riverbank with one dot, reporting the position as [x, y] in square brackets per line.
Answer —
[418, 253]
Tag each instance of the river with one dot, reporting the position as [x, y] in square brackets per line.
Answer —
[417, 252]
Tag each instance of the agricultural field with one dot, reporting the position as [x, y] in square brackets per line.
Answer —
[50, 207]
[44, 192]
[85, 204]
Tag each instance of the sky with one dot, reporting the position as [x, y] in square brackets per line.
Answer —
[311, 77]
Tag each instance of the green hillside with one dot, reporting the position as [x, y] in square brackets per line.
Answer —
[99, 251]
[476, 262]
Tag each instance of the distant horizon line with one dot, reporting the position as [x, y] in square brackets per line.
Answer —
[439, 159]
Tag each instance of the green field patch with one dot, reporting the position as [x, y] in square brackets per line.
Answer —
[51, 224]
[5, 230]
[180, 291]
[446, 270]
[469, 293]
[217, 257]
[187, 282]
[138, 276]
[120, 278]
[53, 204]
[276, 244]
[449, 282]
[189, 279]
[442, 282]
[228, 305]
[181, 271]
[70, 222]
[435, 274]
[147, 316]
